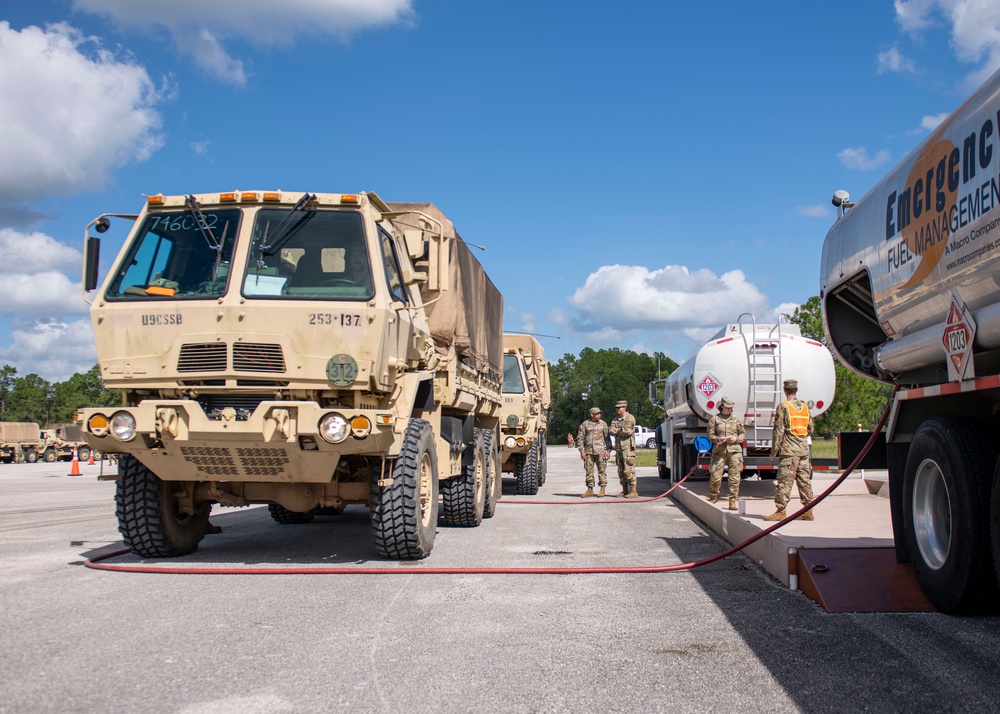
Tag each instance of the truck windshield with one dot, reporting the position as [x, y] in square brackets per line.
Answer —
[322, 254]
[171, 257]
[513, 383]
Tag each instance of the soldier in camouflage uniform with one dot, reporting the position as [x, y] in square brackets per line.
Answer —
[623, 429]
[594, 444]
[792, 428]
[726, 432]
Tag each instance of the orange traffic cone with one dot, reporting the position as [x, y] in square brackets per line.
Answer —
[91, 462]
[75, 470]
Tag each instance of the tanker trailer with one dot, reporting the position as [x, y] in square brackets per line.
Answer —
[746, 362]
[909, 288]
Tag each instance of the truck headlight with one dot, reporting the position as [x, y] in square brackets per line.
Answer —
[510, 442]
[334, 428]
[123, 426]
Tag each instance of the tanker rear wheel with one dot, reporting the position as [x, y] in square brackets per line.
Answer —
[464, 498]
[148, 519]
[946, 485]
[494, 478]
[404, 513]
[280, 514]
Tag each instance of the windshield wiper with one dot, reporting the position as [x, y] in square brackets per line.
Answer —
[281, 234]
[195, 208]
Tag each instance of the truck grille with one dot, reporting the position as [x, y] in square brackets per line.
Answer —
[202, 358]
[247, 357]
[258, 358]
[221, 462]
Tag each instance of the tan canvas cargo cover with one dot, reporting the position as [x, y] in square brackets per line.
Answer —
[469, 314]
[18, 431]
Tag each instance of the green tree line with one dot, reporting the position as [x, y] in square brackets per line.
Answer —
[599, 378]
[31, 398]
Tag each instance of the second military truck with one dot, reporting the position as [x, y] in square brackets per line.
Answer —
[525, 412]
[305, 350]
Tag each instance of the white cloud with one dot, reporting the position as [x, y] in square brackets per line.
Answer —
[620, 298]
[816, 211]
[68, 117]
[35, 253]
[859, 159]
[45, 294]
[933, 121]
[975, 29]
[201, 28]
[892, 60]
[53, 350]
[200, 147]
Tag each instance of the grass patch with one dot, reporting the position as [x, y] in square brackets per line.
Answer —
[824, 448]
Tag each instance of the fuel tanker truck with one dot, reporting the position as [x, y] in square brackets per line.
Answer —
[910, 288]
[525, 411]
[308, 351]
[746, 362]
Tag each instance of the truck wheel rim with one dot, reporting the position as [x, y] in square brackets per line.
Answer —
[426, 489]
[931, 514]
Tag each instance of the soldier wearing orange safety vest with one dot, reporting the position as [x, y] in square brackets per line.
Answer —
[790, 444]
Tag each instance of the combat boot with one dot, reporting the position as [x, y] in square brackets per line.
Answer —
[713, 498]
[589, 493]
[620, 495]
[807, 516]
[632, 493]
[778, 515]
[732, 504]
[600, 494]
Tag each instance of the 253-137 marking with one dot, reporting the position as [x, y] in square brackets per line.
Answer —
[329, 318]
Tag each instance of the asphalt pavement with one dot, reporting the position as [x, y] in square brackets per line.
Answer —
[723, 637]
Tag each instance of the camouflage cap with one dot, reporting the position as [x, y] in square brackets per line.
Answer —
[595, 410]
[726, 402]
[791, 384]
[621, 403]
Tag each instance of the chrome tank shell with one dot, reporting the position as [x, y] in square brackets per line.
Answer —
[928, 230]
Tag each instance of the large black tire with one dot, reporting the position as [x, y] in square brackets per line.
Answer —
[404, 514]
[30, 456]
[946, 489]
[663, 471]
[535, 462]
[49, 456]
[526, 475]
[463, 499]
[282, 515]
[150, 525]
[650, 443]
[494, 479]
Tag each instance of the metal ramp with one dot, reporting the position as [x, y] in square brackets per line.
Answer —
[764, 380]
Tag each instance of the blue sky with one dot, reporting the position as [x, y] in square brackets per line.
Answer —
[639, 172]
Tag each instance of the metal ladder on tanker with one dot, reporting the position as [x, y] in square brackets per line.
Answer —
[764, 361]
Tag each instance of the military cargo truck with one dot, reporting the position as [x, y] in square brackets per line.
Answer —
[62, 440]
[309, 351]
[910, 297]
[525, 411]
[19, 441]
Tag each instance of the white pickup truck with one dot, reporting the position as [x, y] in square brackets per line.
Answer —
[644, 438]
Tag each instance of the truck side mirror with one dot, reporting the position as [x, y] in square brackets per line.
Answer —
[91, 261]
[416, 246]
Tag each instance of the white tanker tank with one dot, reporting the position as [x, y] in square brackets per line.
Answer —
[910, 288]
[746, 362]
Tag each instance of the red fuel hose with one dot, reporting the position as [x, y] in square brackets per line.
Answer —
[405, 568]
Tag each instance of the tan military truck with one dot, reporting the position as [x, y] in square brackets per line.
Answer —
[62, 440]
[307, 351]
[19, 441]
[525, 411]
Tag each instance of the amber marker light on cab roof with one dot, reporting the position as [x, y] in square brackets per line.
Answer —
[227, 197]
[156, 200]
[349, 198]
[272, 196]
[249, 197]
